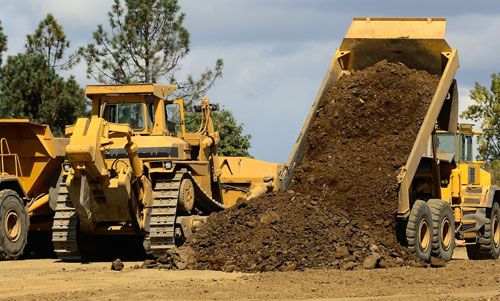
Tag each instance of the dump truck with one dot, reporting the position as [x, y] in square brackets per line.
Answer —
[444, 194]
[30, 164]
[133, 170]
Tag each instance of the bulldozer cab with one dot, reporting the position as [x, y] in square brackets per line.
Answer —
[144, 107]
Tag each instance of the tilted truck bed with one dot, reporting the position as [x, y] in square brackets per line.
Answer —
[418, 43]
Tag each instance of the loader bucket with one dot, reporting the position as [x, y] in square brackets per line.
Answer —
[39, 154]
[418, 43]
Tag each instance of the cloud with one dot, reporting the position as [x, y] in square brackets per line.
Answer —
[78, 18]
[268, 90]
[473, 36]
[275, 52]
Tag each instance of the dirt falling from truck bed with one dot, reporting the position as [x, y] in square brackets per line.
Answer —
[341, 206]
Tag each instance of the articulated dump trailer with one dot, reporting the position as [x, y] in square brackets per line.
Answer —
[443, 194]
[30, 164]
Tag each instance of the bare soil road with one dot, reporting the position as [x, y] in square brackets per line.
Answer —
[49, 280]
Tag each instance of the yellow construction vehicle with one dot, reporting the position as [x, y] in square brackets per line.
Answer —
[30, 163]
[443, 193]
[472, 203]
[133, 170]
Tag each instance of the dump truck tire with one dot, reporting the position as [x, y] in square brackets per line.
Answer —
[488, 245]
[14, 225]
[443, 232]
[419, 230]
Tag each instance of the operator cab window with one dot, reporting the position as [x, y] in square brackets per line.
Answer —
[129, 113]
[465, 148]
[173, 117]
[446, 142]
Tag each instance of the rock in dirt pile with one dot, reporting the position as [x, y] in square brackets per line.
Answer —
[339, 211]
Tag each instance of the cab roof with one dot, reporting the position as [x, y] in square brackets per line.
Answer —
[158, 90]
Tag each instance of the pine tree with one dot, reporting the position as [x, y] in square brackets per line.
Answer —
[30, 87]
[50, 40]
[146, 43]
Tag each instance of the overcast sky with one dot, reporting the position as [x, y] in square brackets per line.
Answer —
[275, 51]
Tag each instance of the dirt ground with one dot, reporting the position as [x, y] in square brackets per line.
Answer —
[49, 280]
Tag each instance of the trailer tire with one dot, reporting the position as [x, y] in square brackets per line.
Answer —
[14, 225]
[488, 245]
[443, 232]
[419, 230]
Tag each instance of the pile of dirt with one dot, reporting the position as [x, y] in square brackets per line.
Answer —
[340, 210]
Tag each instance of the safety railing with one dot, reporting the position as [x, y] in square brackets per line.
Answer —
[6, 154]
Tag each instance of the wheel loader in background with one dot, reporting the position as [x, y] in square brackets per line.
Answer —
[132, 170]
[30, 164]
[443, 194]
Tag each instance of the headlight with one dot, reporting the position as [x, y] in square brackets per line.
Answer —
[167, 164]
[66, 167]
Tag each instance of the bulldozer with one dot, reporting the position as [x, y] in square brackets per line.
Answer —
[444, 194]
[133, 170]
[30, 164]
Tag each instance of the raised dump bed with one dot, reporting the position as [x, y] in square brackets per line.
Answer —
[419, 44]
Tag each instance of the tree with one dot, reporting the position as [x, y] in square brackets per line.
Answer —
[3, 42]
[146, 43]
[495, 171]
[486, 109]
[232, 140]
[30, 86]
[50, 40]
[31, 89]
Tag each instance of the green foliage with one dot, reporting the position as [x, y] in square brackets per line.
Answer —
[50, 40]
[31, 89]
[486, 109]
[3, 42]
[232, 141]
[495, 171]
[146, 43]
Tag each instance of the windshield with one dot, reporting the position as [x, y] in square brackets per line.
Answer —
[129, 113]
[446, 142]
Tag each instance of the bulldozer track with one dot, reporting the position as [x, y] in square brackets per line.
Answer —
[164, 214]
[162, 227]
[64, 229]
